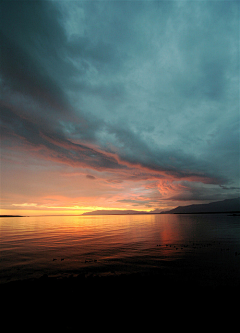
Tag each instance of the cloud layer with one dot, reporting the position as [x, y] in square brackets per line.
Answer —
[131, 92]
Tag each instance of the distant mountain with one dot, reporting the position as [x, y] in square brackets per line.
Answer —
[115, 212]
[225, 206]
[11, 216]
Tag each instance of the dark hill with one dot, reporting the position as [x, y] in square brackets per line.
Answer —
[225, 206]
[114, 212]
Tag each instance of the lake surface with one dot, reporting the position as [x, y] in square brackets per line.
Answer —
[201, 247]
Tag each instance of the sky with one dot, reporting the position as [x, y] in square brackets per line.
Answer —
[118, 105]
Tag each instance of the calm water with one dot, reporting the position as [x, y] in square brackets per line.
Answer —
[206, 247]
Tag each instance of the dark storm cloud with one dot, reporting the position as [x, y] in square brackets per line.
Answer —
[53, 145]
[174, 162]
[198, 192]
[152, 83]
[31, 39]
[33, 45]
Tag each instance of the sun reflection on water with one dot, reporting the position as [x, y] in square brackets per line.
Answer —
[58, 245]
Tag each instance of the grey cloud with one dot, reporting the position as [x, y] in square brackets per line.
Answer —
[174, 161]
[30, 45]
[100, 52]
[54, 143]
[205, 42]
[135, 202]
[149, 81]
[202, 192]
[21, 73]
[90, 177]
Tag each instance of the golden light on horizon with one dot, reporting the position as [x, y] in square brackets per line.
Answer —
[75, 210]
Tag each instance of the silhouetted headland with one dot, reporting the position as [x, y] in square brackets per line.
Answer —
[12, 216]
[116, 212]
[218, 207]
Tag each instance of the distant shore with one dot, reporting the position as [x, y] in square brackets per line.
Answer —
[233, 213]
[227, 206]
[12, 216]
[162, 213]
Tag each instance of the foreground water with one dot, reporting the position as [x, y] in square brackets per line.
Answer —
[201, 247]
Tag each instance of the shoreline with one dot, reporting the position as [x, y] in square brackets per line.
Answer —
[233, 213]
[13, 216]
[67, 303]
[152, 278]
